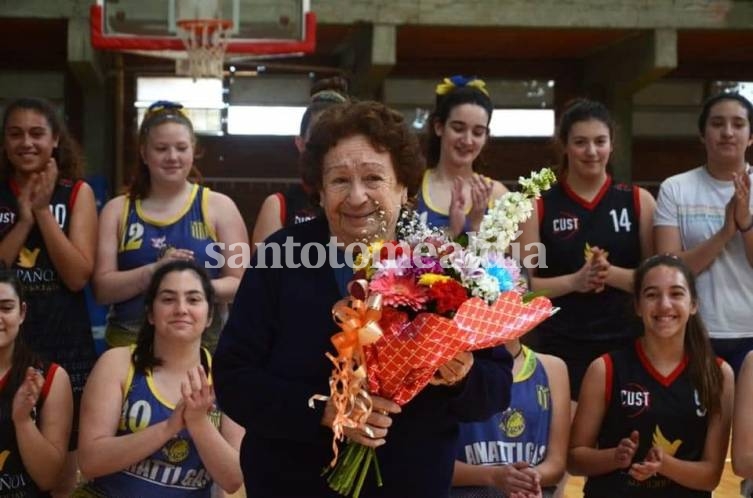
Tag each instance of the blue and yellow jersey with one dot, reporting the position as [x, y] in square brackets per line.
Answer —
[173, 471]
[143, 240]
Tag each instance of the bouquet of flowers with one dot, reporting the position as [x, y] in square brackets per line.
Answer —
[418, 301]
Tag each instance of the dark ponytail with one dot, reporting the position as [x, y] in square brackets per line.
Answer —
[703, 367]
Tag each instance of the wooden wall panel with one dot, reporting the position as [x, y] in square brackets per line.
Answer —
[250, 168]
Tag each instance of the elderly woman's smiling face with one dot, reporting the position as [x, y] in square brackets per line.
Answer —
[360, 193]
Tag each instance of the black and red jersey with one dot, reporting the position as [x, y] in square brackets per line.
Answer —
[666, 412]
[567, 223]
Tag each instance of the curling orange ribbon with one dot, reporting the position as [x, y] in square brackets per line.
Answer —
[359, 321]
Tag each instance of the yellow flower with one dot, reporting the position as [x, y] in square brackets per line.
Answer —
[429, 279]
[365, 260]
[359, 262]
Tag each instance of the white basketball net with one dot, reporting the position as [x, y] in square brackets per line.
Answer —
[205, 42]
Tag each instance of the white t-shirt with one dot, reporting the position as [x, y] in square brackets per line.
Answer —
[695, 202]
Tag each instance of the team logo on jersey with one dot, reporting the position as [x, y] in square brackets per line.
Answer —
[661, 441]
[176, 450]
[159, 242]
[635, 399]
[7, 218]
[566, 225]
[199, 230]
[27, 258]
[513, 422]
[543, 396]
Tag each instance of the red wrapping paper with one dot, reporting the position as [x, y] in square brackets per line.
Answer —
[403, 361]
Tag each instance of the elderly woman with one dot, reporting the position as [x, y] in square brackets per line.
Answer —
[364, 163]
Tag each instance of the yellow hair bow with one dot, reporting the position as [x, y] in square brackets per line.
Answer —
[449, 84]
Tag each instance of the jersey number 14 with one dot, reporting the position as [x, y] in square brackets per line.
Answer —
[621, 222]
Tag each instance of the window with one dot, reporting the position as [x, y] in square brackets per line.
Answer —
[264, 120]
[505, 122]
[522, 123]
[524, 107]
[202, 99]
[744, 88]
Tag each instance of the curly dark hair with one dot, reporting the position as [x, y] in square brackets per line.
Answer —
[70, 160]
[385, 128]
[143, 356]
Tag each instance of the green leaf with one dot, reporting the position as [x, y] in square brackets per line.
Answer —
[462, 239]
[531, 295]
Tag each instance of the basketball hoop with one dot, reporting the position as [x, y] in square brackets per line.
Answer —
[199, 35]
[205, 41]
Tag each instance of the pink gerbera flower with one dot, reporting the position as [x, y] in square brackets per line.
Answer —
[399, 291]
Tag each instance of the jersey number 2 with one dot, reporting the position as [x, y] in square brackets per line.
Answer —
[622, 222]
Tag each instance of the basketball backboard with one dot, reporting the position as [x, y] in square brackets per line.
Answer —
[259, 27]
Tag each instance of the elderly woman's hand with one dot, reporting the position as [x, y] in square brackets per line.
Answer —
[454, 370]
[374, 431]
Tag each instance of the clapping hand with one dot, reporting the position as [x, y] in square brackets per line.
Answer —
[197, 396]
[592, 276]
[625, 450]
[518, 480]
[649, 467]
[42, 185]
[741, 201]
[174, 253]
[481, 193]
[175, 422]
[457, 208]
[599, 268]
[27, 396]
